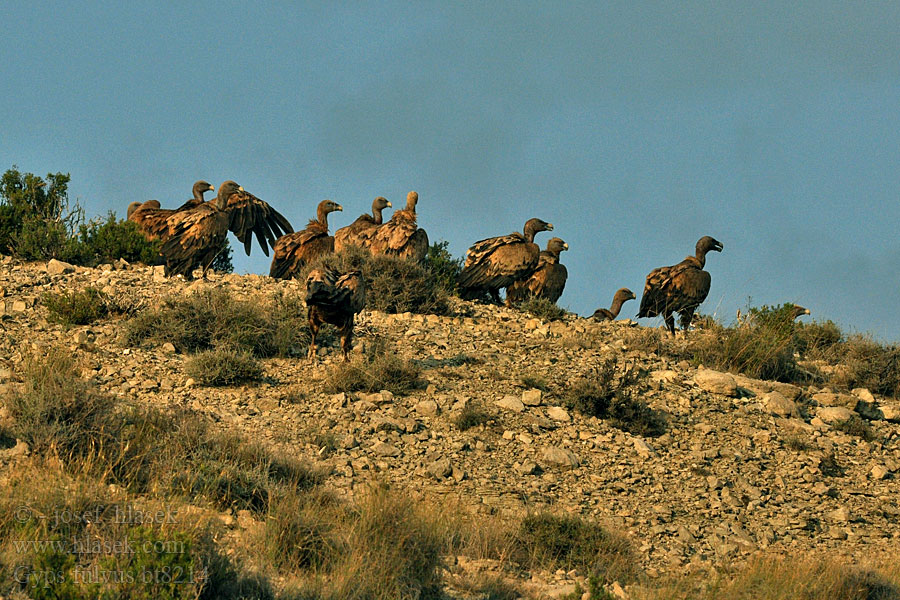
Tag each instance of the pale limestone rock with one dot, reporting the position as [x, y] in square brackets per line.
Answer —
[863, 394]
[831, 399]
[833, 414]
[385, 449]
[510, 403]
[559, 457]
[427, 408]
[58, 267]
[558, 413]
[716, 382]
[778, 405]
[531, 397]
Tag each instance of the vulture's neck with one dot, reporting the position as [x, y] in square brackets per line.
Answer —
[701, 257]
[322, 216]
[616, 306]
[553, 254]
[376, 212]
[529, 234]
[198, 194]
[411, 206]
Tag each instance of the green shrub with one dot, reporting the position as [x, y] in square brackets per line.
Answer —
[856, 426]
[607, 394]
[376, 370]
[816, 339]
[223, 366]
[393, 285]
[548, 541]
[444, 269]
[77, 308]
[866, 363]
[301, 533]
[542, 309]
[107, 240]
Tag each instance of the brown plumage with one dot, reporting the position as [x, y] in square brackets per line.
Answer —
[336, 300]
[608, 314]
[402, 236]
[153, 221]
[362, 230]
[499, 262]
[548, 279]
[798, 311]
[198, 234]
[295, 250]
[679, 288]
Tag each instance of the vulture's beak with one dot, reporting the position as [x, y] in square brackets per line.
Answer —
[240, 188]
[718, 247]
[631, 296]
[389, 205]
[338, 207]
[549, 226]
[565, 246]
[806, 312]
[212, 188]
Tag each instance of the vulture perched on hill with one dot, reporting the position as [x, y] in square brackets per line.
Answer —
[362, 230]
[679, 288]
[335, 300]
[153, 221]
[499, 262]
[402, 236]
[547, 281]
[608, 314]
[293, 251]
[197, 235]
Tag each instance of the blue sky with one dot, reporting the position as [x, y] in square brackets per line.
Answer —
[635, 128]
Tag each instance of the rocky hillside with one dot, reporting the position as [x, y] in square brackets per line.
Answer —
[743, 465]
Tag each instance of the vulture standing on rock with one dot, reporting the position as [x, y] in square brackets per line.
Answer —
[153, 221]
[362, 230]
[335, 300]
[499, 262]
[198, 234]
[293, 251]
[547, 281]
[608, 314]
[402, 236]
[680, 288]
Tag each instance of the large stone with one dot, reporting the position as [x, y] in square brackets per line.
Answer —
[863, 394]
[58, 267]
[642, 448]
[510, 403]
[559, 457]
[385, 449]
[868, 410]
[777, 404]
[833, 414]
[531, 397]
[891, 412]
[830, 399]
[558, 413]
[716, 382]
[440, 468]
[427, 408]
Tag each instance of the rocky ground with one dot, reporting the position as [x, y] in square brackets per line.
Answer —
[745, 465]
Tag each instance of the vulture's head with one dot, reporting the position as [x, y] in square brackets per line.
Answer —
[226, 190]
[133, 207]
[412, 199]
[623, 295]
[201, 187]
[532, 226]
[380, 203]
[799, 311]
[556, 245]
[707, 243]
[151, 204]
[329, 206]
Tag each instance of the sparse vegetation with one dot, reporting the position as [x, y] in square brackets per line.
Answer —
[77, 307]
[471, 416]
[856, 426]
[223, 366]
[542, 309]
[376, 370]
[535, 382]
[608, 393]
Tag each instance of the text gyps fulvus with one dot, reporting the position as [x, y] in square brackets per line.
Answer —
[679, 288]
[498, 262]
[198, 234]
[334, 299]
[361, 231]
[548, 279]
[293, 251]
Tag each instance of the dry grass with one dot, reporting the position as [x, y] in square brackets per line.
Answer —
[542, 309]
[471, 416]
[376, 370]
[77, 307]
[223, 366]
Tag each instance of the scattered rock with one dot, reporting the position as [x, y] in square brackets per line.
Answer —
[716, 382]
[778, 405]
[58, 267]
[385, 449]
[559, 457]
[558, 413]
[510, 403]
[427, 408]
[441, 468]
[531, 397]
[833, 414]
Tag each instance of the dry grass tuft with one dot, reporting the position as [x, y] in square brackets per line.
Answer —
[223, 367]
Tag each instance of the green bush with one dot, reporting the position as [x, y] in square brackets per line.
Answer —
[107, 240]
[542, 309]
[548, 541]
[444, 269]
[77, 308]
[223, 366]
[377, 370]
[866, 363]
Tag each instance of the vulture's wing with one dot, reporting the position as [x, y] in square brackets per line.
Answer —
[248, 215]
[499, 264]
[354, 283]
[294, 250]
[193, 233]
[357, 233]
[554, 281]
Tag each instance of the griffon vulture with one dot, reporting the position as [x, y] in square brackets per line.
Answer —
[198, 234]
[608, 314]
[679, 288]
[547, 281]
[362, 230]
[296, 249]
[153, 221]
[402, 236]
[335, 300]
[498, 262]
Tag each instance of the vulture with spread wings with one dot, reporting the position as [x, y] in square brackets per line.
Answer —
[679, 288]
[198, 234]
[362, 231]
[295, 250]
[336, 300]
[153, 221]
[402, 236]
[547, 281]
[499, 262]
[608, 314]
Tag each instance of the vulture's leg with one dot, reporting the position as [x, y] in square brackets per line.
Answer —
[495, 295]
[313, 330]
[670, 322]
[346, 338]
[687, 315]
